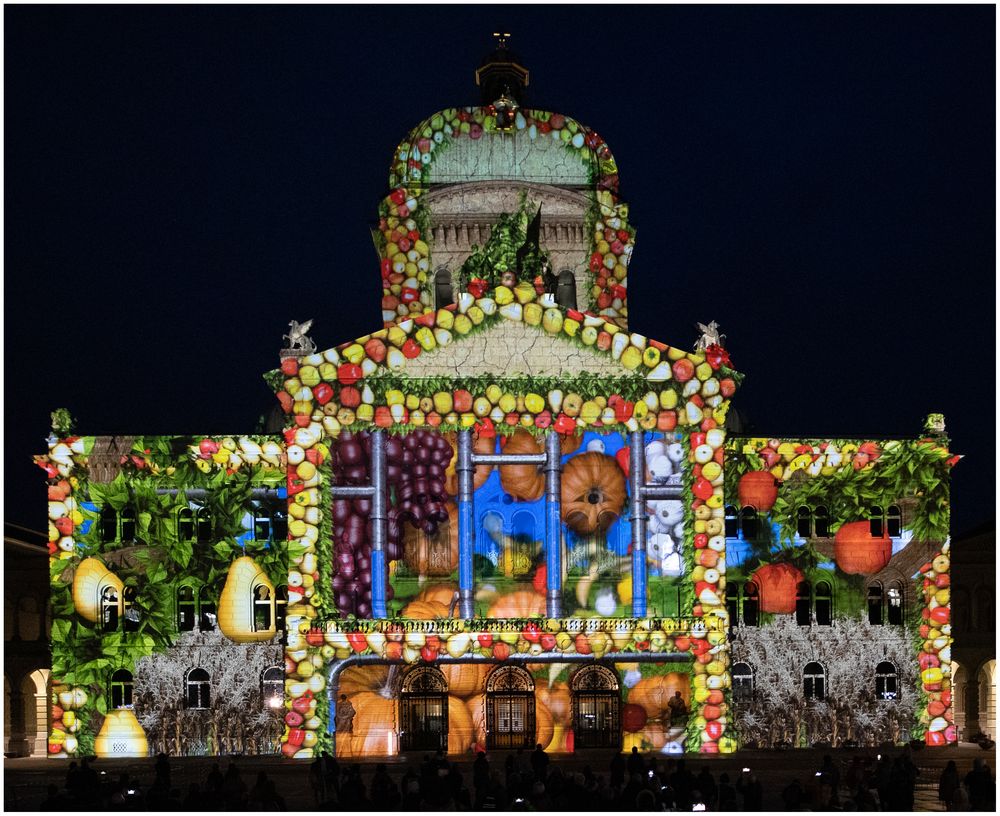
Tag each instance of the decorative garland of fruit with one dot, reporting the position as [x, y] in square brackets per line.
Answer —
[346, 387]
[935, 650]
[404, 248]
[229, 454]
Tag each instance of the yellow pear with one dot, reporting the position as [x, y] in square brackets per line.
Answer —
[247, 586]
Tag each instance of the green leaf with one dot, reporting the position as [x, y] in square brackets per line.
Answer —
[60, 629]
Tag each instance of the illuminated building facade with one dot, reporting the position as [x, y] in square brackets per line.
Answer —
[503, 518]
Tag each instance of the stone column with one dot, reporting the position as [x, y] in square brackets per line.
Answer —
[40, 745]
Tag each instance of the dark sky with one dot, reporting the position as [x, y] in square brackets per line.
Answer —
[181, 182]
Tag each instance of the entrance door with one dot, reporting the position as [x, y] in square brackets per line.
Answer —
[423, 710]
[596, 708]
[510, 708]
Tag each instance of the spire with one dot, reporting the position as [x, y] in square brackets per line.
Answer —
[500, 74]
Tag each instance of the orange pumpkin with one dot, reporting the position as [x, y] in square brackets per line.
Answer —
[438, 593]
[523, 482]
[425, 610]
[356, 679]
[654, 693]
[460, 728]
[480, 444]
[593, 492]
[374, 720]
[778, 584]
[544, 725]
[464, 679]
[557, 700]
[519, 604]
[858, 552]
[758, 489]
[433, 555]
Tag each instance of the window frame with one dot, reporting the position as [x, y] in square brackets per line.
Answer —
[122, 683]
[198, 690]
[809, 682]
[882, 675]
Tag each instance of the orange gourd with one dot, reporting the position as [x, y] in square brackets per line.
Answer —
[654, 693]
[523, 482]
[778, 584]
[460, 728]
[356, 679]
[557, 700]
[519, 604]
[480, 444]
[464, 679]
[758, 489]
[593, 492]
[858, 552]
[425, 610]
[374, 720]
[438, 593]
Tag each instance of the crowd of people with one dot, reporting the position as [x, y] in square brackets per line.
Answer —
[531, 780]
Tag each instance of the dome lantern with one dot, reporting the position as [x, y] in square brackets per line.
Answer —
[500, 75]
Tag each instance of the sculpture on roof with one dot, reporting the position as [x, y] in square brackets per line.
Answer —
[297, 337]
[710, 336]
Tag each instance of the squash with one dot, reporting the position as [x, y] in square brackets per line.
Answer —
[778, 585]
[758, 489]
[593, 492]
[121, 736]
[356, 679]
[425, 610]
[465, 679]
[858, 552]
[460, 727]
[480, 444]
[373, 731]
[89, 582]
[634, 717]
[655, 692]
[557, 700]
[438, 593]
[527, 482]
[519, 604]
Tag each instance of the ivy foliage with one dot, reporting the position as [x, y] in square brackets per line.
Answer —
[499, 253]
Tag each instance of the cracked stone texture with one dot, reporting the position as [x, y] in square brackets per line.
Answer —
[511, 348]
[511, 155]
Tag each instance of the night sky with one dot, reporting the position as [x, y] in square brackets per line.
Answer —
[181, 182]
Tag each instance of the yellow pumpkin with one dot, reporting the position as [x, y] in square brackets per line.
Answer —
[465, 679]
[519, 604]
[121, 736]
[373, 731]
[654, 693]
[460, 728]
[356, 679]
[593, 492]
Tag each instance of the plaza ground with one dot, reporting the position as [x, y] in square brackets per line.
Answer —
[25, 780]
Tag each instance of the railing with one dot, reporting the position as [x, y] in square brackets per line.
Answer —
[670, 626]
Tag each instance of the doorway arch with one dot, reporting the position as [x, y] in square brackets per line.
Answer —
[596, 707]
[510, 708]
[423, 710]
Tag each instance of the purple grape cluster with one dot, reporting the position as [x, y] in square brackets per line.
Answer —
[415, 470]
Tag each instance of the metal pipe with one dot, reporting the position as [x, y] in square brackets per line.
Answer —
[553, 526]
[662, 491]
[509, 458]
[353, 491]
[637, 479]
[379, 519]
[201, 492]
[464, 469]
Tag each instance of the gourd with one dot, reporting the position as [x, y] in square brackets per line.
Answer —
[778, 584]
[519, 604]
[356, 679]
[480, 444]
[556, 698]
[236, 603]
[438, 593]
[527, 482]
[89, 582]
[464, 679]
[425, 610]
[858, 552]
[121, 736]
[654, 693]
[593, 492]
[758, 489]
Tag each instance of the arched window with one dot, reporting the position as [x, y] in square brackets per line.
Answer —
[204, 517]
[894, 521]
[824, 604]
[803, 604]
[199, 689]
[876, 522]
[206, 610]
[749, 523]
[261, 525]
[443, 292]
[272, 687]
[130, 617]
[732, 522]
[875, 604]
[751, 603]
[185, 609]
[109, 524]
[821, 522]
[121, 689]
[109, 608]
[805, 526]
[185, 524]
[128, 524]
[566, 290]
[262, 608]
[742, 676]
[814, 681]
[280, 607]
[894, 596]
[279, 525]
[886, 681]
